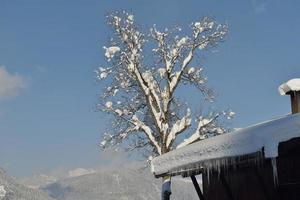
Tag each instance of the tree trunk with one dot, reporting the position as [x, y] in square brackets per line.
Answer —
[166, 188]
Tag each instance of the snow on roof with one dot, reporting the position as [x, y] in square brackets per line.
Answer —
[291, 85]
[245, 141]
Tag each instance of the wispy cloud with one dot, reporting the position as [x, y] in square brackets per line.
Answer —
[259, 6]
[10, 83]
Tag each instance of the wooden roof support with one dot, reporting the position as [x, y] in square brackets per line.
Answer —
[196, 185]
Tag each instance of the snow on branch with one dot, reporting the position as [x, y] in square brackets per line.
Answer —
[203, 122]
[140, 125]
[110, 52]
[137, 126]
[178, 127]
[207, 127]
[133, 41]
[136, 89]
[153, 100]
[206, 34]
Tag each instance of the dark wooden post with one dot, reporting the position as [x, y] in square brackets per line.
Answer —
[295, 101]
[198, 190]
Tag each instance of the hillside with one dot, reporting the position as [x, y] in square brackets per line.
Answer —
[127, 183]
[11, 190]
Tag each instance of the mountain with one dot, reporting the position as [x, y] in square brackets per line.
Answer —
[11, 190]
[38, 181]
[124, 183]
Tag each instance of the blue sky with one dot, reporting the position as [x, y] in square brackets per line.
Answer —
[51, 48]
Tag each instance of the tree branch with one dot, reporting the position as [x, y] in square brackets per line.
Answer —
[196, 135]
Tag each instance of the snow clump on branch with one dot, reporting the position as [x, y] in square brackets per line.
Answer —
[149, 113]
[110, 52]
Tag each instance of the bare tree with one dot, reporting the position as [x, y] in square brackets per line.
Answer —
[141, 95]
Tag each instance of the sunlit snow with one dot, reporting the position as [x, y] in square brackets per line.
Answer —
[108, 104]
[291, 85]
[152, 89]
[2, 192]
[245, 141]
[110, 52]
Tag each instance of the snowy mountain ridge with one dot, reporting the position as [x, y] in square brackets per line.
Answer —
[111, 184]
[131, 181]
[11, 190]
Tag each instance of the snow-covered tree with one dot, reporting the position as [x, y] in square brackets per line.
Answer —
[2, 192]
[141, 83]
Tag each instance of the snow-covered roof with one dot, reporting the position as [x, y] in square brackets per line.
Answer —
[291, 85]
[242, 142]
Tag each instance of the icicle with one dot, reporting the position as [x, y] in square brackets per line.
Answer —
[208, 171]
[218, 163]
[274, 166]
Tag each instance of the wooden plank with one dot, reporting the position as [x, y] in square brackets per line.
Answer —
[226, 187]
[262, 184]
[198, 190]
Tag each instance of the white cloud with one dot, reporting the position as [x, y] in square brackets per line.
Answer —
[10, 84]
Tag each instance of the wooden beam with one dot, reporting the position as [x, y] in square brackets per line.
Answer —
[295, 101]
[196, 185]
